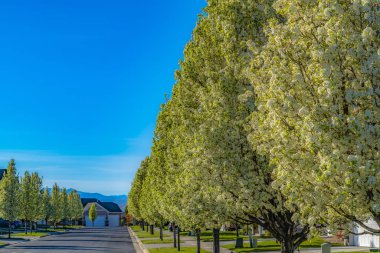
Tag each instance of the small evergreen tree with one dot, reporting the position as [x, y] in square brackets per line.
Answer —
[9, 187]
[75, 208]
[71, 207]
[78, 207]
[35, 199]
[45, 208]
[92, 213]
[56, 205]
[24, 198]
[64, 205]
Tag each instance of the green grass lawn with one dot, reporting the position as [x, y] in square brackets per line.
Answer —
[174, 250]
[135, 228]
[272, 245]
[52, 230]
[74, 227]
[316, 243]
[158, 241]
[31, 234]
[143, 234]
[206, 236]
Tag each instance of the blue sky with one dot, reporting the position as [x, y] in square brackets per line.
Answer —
[81, 84]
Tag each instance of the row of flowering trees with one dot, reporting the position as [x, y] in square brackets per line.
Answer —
[24, 198]
[273, 120]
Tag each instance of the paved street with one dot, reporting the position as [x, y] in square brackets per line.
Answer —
[115, 240]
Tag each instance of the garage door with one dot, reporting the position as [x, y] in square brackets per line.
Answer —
[100, 221]
[114, 220]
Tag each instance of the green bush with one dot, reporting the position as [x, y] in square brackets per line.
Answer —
[267, 234]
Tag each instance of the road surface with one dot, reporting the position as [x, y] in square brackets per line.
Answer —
[115, 240]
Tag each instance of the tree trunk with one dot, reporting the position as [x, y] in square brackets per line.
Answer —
[31, 226]
[250, 232]
[152, 229]
[26, 229]
[161, 233]
[237, 231]
[289, 233]
[174, 236]
[287, 247]
[9, 229]
[142, 225]
[198, 234]
[179, 242]
[216, 246]
[46, 224]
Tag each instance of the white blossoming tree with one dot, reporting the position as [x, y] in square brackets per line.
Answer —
[318, 95]
[210, 172]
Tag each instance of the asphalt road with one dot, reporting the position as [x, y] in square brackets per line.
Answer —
[115, 240]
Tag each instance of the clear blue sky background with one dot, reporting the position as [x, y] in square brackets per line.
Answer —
[82, 82]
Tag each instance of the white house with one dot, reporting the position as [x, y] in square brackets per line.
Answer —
[365, 240]
[108, 213]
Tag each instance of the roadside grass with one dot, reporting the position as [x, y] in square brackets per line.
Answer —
[52, 230]
[272, 245]
[206, 236]
[316, 242]
[143, 234]
[39, 234]
[135, 228]
[158, 241]
[174, 250]
[74, 227]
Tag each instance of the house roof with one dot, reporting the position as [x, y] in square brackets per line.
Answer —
[85, 201]
[2, 173]
[109, 206]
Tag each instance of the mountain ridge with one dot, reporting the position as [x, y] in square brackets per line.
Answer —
[121, 200]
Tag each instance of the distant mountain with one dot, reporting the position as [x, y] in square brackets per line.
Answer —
[121, 200]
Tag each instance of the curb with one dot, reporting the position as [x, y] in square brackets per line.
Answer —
[138, 241]
[25, 240]
[16, 243]
[4, 245]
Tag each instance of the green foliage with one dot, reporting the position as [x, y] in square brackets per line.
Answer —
[273, 120]
[46, 208]
[35, 196]
[65, 208]
[92, 213]
[24, 198]
[9, 188]
[317, 93]
[135, 192]
[267, 234]
[203, 171]
[75, 208]
[56, 205]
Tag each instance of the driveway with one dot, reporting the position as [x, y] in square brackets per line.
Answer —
[114, 240]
